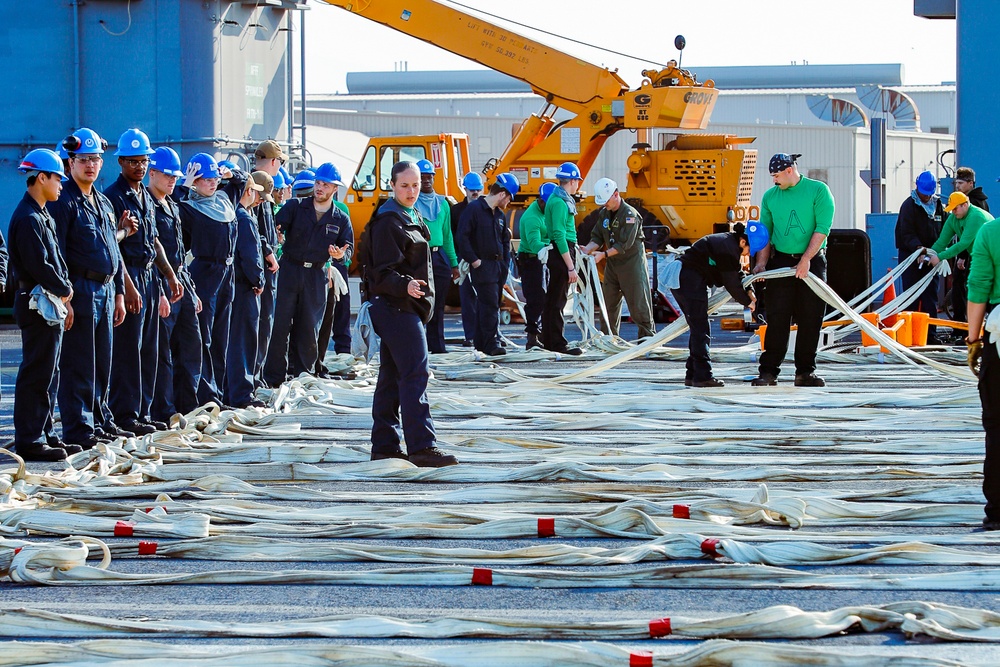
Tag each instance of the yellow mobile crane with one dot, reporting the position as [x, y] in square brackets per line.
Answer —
[695, 185]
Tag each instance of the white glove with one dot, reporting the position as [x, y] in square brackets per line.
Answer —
[190, 175]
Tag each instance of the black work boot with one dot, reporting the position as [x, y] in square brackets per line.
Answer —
[34, 451]
[809, 380]
[532, 341]
[764, 380]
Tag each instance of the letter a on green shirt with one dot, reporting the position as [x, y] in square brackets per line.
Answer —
[793, 215]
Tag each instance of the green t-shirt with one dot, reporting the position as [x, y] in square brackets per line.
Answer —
[342, 206]
[965, 229]
[793, 215]
[984, 272]
[560, 223]
[534, 235]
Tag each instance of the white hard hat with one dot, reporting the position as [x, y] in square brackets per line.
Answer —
[604, 190]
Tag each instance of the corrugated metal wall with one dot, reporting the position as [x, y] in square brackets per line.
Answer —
[766, 107]
[836, 155]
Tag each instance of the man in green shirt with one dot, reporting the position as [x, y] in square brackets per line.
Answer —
[560, 222]
[963, 224]
[436, 212]
[798, 214]
[534, 237]
[619, 232]
[984, 295]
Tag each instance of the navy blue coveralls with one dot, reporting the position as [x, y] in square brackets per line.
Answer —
[134, 355]
[713, 261]
[337, 313]
[249, 275]
[301, 286]
[86, 231]
[466, 290]
[483, 234]
[916, 229]
[400, 252]
[268, 244]
[178, 370]
[35, 260]
[212, 243]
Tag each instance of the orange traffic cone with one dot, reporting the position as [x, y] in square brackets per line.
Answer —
[889, 295]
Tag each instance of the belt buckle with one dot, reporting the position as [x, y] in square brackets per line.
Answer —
[307, 265]
[229, 261]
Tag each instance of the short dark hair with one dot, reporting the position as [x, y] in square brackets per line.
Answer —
[400, 167]
[496, 189]
[965, 174]
[32, 179]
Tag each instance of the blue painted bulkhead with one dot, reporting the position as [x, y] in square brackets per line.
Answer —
[194, 75]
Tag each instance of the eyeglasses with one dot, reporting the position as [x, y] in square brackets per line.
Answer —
[142, 162]
[91, 159]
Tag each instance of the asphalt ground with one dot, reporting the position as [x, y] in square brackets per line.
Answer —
[273, 604]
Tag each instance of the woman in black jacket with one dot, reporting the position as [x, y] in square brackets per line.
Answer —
[398, 276]
[714, 261]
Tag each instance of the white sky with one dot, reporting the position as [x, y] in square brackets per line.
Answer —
[718, 32]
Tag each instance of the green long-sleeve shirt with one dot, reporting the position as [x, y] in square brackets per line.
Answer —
[440, 229]
[534, 235]
[793, 215]
[560, 223]
[965, 228]
[984, 273]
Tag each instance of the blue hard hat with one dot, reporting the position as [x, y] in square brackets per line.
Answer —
[926, 183]
[304, 180]
[285, 175]
[757, 236]
[546, 191]
[60, 150]
[279, 181]
[42, 160]
[165, 160]
[472, 181]
[84, 142]
[207, 166]
[569, 171]
[133, 142]
[426, 167]
[328, 173]
[509, 183]
[228, 164]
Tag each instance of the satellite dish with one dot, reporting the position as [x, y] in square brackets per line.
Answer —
[886, 100]
[837, 111]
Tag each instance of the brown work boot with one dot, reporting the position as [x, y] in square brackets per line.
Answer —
[432, 457]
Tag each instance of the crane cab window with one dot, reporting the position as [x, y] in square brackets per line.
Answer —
[365, 178]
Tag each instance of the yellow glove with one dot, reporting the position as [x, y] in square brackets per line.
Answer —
[975, 355]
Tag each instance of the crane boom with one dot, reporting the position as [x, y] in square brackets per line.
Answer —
[693, 184]
[560, 78]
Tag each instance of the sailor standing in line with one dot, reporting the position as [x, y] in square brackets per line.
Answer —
[88, 239]
[178, 370]
[208, 222]
[35, 261]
